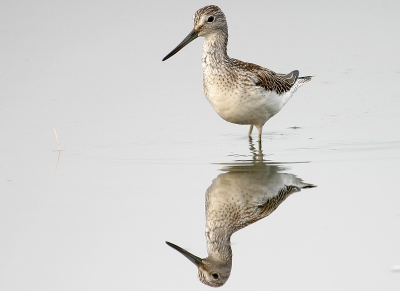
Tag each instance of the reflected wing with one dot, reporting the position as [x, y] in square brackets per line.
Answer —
[268, 207]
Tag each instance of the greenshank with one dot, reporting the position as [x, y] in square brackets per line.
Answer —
[240, 92]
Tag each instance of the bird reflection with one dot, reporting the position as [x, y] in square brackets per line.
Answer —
[246, 192]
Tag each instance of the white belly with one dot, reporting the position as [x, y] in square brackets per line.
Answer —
[252, 105]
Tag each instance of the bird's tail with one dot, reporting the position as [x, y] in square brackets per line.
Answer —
[300, 82]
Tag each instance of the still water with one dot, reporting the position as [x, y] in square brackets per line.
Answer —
[140, 146]
[246, 192]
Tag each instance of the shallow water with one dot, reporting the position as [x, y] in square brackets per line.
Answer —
[140, 146]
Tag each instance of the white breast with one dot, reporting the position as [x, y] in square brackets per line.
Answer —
[238, 102]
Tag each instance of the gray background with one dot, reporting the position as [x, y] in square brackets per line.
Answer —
[141, 145]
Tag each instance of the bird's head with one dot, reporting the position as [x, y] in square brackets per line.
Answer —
[211, 271]
[207, 21]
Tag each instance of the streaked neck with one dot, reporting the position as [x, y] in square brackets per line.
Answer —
[215, 48]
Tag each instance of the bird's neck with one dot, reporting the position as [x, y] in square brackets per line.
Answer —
[215, 48]
[219, 244]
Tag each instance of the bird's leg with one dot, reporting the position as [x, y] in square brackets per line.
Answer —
[259, 128]
[251, 129]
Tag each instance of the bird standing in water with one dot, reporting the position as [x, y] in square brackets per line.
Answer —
[240, 92]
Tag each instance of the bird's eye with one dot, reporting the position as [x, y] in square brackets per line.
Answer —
[215, 276]
[210, 19]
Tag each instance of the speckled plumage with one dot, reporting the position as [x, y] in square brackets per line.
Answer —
[240, 92]
[237, 198]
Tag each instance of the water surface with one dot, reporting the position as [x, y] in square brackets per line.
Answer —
[140, 145]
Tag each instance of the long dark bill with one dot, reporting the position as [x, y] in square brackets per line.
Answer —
[191, 36]
[195, 260]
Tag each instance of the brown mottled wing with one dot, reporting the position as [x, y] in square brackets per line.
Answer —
[274, 82]
[268, 79]
[292, 77]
